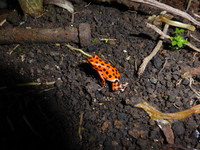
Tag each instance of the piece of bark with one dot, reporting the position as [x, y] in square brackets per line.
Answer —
[165, 126]
[39, 35]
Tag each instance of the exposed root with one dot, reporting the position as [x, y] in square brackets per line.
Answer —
[194, 90]
[29, 125]
[188, 75]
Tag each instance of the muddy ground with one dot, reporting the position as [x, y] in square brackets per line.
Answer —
[49, 116]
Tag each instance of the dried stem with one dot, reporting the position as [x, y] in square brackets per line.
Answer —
[192, 47]
[168, 8]
[157, 30]
[156, 114]
[77, 49]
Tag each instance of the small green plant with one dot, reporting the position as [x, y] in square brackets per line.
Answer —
[106, 40]
[179, 31]
[94, 41]
[178, 41]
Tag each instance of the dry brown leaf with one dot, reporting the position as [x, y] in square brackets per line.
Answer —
[165, 126]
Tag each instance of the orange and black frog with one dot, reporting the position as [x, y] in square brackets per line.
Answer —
[107, 72]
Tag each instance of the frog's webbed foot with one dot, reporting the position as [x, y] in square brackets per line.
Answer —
[119, 86]
[123, 86]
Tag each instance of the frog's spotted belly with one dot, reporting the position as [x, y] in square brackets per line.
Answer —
[106, 72]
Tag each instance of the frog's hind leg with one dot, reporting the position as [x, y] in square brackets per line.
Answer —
[115, 86]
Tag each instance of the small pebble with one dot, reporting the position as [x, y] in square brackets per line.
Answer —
[46, 67]
[153, 80]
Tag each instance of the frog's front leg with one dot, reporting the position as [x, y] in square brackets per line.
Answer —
[103, 82]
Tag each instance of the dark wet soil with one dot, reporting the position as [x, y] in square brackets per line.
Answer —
[73, 113]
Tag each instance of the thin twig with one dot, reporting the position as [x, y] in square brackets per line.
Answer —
[30, 126]
[196, 15]
[157, 30]
[192, 47]
[153, 53]
[195, 38]
[188, 5]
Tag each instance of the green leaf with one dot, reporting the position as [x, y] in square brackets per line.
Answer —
[185, 42]
[174, 43]
[180, 44]
[181, 30]
[178, 31]
[178, 38]
[94, 41]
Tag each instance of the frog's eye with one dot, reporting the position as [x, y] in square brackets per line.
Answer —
[90, 59]
[95, 57]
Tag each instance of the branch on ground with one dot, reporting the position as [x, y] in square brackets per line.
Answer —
[80, 35]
